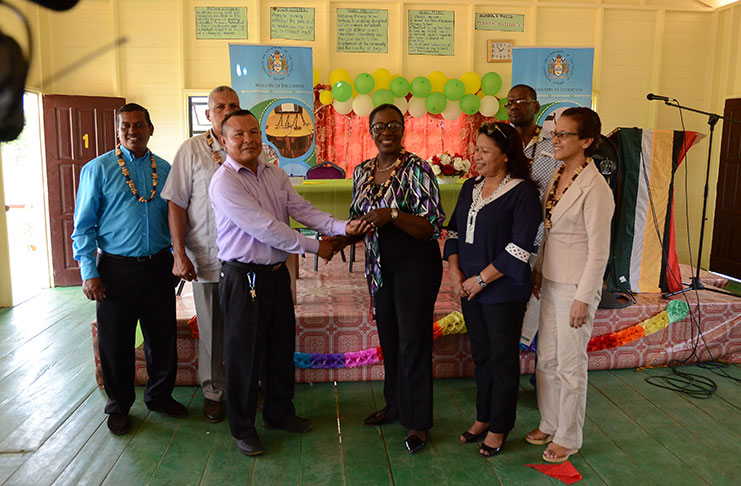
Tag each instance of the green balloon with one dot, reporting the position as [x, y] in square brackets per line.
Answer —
[383, 97]
[491, 83]
[470, 104]
[364, 83]
[436, 103]
[399, 86]
[454, 89]
[421, 87]
[502, 113]
[342, 91]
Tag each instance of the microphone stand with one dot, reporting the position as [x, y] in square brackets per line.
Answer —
[713, 118]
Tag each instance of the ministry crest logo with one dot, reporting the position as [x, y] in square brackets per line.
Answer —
[558, 66]
[277, 64]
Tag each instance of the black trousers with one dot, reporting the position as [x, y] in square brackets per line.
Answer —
[143, 292]
[259, 331]
[494, 332]
[405, 306]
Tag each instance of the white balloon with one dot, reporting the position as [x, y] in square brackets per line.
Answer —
[489, 106]
[342, 107]
[452, 110]
[417, 107]
[362, 105]
[401, 103]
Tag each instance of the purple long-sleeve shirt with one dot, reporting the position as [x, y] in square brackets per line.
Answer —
[252, 213]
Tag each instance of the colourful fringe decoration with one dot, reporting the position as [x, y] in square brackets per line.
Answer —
[451, 324]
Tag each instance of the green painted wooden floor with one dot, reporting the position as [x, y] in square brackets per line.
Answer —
[52, 426]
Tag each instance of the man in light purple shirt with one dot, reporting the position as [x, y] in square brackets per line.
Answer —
[252, 203]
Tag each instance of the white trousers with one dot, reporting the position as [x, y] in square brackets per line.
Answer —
[211, 374]
[562, 364]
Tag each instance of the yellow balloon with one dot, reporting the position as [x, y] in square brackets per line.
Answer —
[325, 97]
[471, 81]
[480, 94]
[339, 75]
[316, 76]
[437, 80]
[382, 77]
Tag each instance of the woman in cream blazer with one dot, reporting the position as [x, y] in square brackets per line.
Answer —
[577, 209]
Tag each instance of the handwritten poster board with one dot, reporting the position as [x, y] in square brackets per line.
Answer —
[362, 30]
[221, 22]
[292, 23]
[431, 32]
[501, 22]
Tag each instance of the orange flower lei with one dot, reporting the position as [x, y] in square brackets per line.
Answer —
[552, 200]
[130, 183]
[214, 153]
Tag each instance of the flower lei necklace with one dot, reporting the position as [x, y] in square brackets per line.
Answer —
[130, 183]
[394, 169]
[552, 200]
[210, 143]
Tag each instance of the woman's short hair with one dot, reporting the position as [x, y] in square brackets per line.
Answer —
[589, 125]
[380, 108]
[508, 141]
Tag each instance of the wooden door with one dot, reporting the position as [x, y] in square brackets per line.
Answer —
[725, 257]
[76, 130]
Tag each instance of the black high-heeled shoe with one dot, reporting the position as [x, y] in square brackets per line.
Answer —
[468, 437]
[415, 443]
[488, 451]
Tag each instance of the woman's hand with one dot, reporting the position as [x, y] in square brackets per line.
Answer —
[471, 287]
[578, 316]
[377, 218]
[456, 280]
[537, 281]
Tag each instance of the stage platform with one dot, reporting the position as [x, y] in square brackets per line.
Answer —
[333, 316]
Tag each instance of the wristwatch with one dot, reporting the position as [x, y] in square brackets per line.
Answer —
[480, 280]
[394, 214]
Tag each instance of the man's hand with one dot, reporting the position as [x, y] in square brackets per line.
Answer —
[182, 267]
[93, 289]
[537, 281]
[357, 227]
[326, 249]
[578, 316]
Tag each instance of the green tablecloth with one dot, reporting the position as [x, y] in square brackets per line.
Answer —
[335, 195]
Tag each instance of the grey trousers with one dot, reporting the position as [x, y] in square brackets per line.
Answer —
[211, 374]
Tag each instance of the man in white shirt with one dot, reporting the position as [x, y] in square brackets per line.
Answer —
[193, 230]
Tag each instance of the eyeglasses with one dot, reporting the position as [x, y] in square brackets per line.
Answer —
[393, 126]
[562, 134]
[511, 103]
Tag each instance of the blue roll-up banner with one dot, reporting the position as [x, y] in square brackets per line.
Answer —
[276, 84]
[562, 77]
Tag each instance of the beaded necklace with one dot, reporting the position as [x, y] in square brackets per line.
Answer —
[394, 169]
[130, 183]
[535, 139]
[478, 203]
[210, 143]
[552, 199]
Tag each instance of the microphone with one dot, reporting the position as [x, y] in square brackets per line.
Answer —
[652, 97]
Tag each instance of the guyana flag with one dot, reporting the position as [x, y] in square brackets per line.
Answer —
[644, 252]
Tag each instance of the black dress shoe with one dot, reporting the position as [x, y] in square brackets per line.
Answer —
[249, 447]
[168, 406]
[118, 423]
[213, 411]
[297, 425]
[378, 418]
[488, 451]
[468, 437]
[415, 443]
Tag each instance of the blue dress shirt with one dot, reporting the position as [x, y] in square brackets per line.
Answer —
[109, 217]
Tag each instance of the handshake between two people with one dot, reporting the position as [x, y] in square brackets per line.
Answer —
[355, 229]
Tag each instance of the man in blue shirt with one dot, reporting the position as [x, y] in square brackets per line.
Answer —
[122, 241]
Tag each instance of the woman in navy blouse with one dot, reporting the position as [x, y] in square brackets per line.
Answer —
[490, 238]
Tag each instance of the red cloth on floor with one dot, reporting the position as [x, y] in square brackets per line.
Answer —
[565, 471]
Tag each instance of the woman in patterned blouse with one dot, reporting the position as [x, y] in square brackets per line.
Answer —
[397, 195]
[490, 238]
